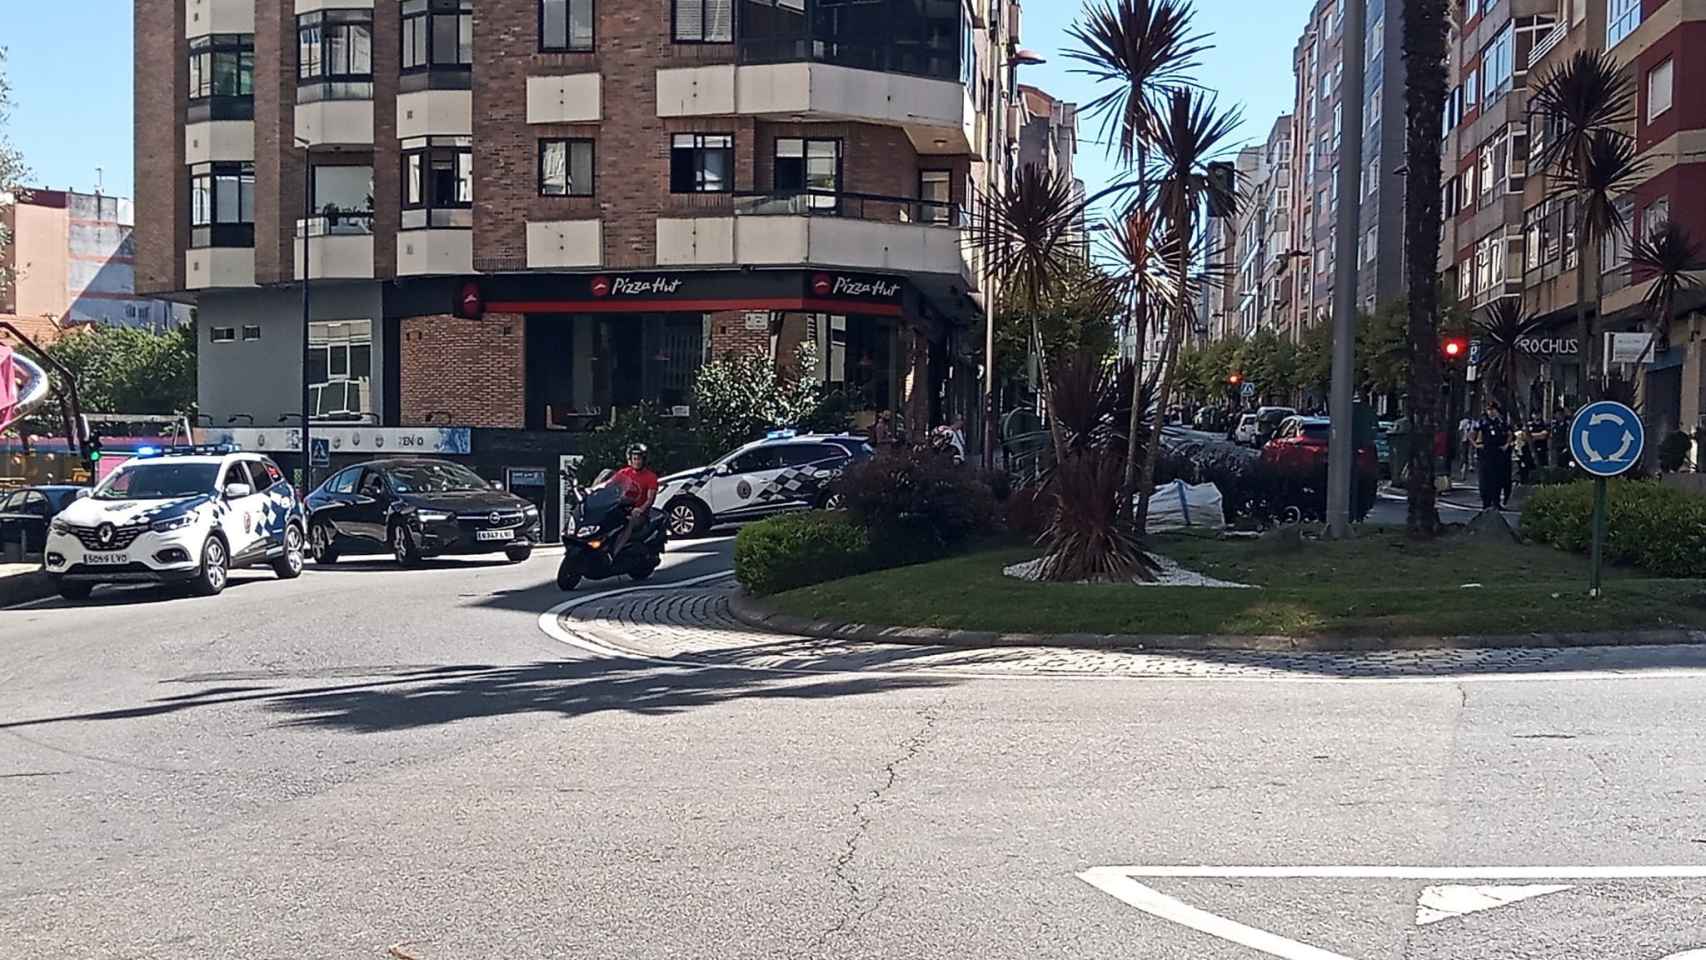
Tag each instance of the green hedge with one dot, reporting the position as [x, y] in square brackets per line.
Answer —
[801, 549]
[1648, 525]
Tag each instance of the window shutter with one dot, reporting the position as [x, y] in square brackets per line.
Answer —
[690, 19]
[720, 20]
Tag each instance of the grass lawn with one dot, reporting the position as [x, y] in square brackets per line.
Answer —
[1379, 585]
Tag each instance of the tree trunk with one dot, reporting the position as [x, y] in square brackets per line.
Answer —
[1164, 371]
[1140, 331]
[1585, 317]
[1046, 386]
[1425, 23]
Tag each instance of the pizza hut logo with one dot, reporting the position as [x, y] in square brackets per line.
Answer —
[469, 303]
[849, 287]
[822, 285]
[601, 286]
[630, 287]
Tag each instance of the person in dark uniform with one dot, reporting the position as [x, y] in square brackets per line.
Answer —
[1540, 440]
[1560, 431]
[1493, 448]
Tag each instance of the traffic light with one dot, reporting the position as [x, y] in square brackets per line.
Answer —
[1455, 349]
[1235, 379]
[92, 449]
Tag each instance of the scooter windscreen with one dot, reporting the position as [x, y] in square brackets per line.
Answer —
[607, 505]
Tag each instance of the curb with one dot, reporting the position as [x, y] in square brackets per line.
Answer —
[24, 587]
[752, 612]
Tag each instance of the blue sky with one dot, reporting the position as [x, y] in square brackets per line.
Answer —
[70, 64]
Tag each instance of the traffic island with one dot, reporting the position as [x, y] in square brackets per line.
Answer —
[1379, 591]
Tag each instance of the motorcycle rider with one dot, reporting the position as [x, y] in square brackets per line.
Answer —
[640, 486]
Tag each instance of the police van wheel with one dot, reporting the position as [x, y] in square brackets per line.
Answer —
[210, 580]
[289, 566]
[688, 518]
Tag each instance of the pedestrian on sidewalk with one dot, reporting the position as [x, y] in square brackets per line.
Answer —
[1465, 440]
[1492, 440]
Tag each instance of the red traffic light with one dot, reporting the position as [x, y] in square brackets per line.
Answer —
[1455, 347]
[1235, 379]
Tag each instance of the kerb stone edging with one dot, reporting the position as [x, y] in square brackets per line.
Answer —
[754, 613]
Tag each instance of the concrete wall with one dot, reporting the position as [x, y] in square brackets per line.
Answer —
[263, 378]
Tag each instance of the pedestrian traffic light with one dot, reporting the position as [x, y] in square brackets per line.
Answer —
[1454, 348]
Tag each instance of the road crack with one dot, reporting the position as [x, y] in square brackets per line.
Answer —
[863, 815]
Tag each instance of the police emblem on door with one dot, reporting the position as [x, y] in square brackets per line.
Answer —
[743, 489]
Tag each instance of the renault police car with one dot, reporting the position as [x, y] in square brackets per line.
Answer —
[187, 515]
[784, 471]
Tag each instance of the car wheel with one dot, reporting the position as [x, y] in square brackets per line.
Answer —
[832, 501]
[289, 566]
[215, 569]
[688, 518]
[403, 546]
[518, 554]
[74, 590]
[320, 541]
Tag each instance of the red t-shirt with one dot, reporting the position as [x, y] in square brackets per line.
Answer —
[638, 485]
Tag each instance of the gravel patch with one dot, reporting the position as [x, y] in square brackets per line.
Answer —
[1170, 575]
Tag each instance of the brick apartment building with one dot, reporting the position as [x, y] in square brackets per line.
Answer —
[1509, 239]
[527, 214]
[1318, 127]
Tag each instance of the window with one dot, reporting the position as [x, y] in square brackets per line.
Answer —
[334, 55]
[221, 334]
[1621, 19]
[702, 163]
[340, 369]
[565, 168]
[704, 21]
[343, 198]
[438, 182]
[1659, 81]
[1488, 150]
[251, 332]
[567, 25]
[222, 65]
[764, 458]
[1372, 246]
[222, 205]
[1471, 90]
[1373, 115]
[1614, 252]
[1498, 64]
[344, 482]
[935, 189]
[813, 165]
[437, 33]
[1655, 216]
[259, 479]
[1338, 124]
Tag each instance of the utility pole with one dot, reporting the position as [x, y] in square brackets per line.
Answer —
[1341, 443]
[307, 271]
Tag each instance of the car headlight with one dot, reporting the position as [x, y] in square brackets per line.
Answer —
[532, 513]
[60, 526]
[175, 523]
[431, 516]
[587, 531]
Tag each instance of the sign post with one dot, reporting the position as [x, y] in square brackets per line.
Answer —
[1607, 439]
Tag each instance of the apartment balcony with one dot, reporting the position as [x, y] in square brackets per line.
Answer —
[212, 268]
[937, 114]
[219, 141]
[335, 120]
[204, 17]
[338, 249]
[564, 244]
[435, 252]
[820, 229]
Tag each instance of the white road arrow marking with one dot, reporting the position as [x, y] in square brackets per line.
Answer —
[1455, 900]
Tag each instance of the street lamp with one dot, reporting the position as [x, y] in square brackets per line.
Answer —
[1341, 441]
[307, 271]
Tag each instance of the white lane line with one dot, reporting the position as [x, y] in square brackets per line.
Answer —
[1656, 872]
[1445, 901]
[1122, 887]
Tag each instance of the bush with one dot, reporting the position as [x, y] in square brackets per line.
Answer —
[1553, 476]
[1648, 525]
[918, 498]
[800, 549]
[1673, 451]
[672, 448]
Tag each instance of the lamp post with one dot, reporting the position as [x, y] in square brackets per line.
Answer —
[986, 279]
[307, 271]
[1341, 442]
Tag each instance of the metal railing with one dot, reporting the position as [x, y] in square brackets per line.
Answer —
[852, 206]
[941, 63]
[339, 223]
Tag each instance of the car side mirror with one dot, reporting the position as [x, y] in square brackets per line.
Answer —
[237, 491]
[497, 484]
[83, 494]
[722, 470]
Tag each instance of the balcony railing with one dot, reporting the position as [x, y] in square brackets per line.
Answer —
[852, 206]
[937, 63]
[341, 223]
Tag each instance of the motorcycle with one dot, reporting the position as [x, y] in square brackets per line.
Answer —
[594, 523]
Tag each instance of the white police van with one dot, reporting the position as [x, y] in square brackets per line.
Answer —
[784, 471]
[186, 515]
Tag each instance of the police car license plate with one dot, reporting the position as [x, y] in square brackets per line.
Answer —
[105, 559]
[496, 535]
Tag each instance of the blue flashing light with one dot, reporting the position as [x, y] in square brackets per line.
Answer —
[147, 451]
[782, 434]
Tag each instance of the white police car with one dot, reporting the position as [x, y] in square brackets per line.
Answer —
[784, 471]
[189, 515]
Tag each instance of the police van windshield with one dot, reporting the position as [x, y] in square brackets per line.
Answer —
[160, 480]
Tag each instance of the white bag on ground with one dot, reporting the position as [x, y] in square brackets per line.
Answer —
[1178, 505]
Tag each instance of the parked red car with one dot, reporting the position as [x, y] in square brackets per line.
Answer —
[1296, 459]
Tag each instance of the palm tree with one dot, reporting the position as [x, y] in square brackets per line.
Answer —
[1191, 133]
[1502, 331]
[1143, 48]
[1582, 105]
[1029, 233]
[1425, 31]
[1670, 259]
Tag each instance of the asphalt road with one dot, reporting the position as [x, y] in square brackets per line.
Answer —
[373, 763]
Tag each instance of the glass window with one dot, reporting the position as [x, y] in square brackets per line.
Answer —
[566, 168]
[258, 478]
[221, 334]
[813, 165]
[222, 204]
[222, 65]
[702, 163]
[343, 195]
[340, 369]
[1621, 19]
[251, 331]
[1659, 83]
[566, 25]
[334, 44]
[752, 461]
[438, 183]
[344, 482]
[437, 33]
[704, 21]
[935, 189]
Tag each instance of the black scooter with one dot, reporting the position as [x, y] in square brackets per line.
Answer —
[594, 523]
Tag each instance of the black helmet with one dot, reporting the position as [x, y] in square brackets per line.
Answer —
[639, 450]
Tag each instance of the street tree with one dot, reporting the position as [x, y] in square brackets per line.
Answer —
[1425, 26]
[1502, 333]
[1669, 260]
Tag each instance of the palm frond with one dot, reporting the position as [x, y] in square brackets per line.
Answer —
[1611, 167]
[1141, 47]
[1029, 232]
[1587, 93]
[1502, 331]
[1193, 131]
[1670, 259]
[1144, 252]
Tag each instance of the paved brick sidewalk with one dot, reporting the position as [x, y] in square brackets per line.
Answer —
[696, 625]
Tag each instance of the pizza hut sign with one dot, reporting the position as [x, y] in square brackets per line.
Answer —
[634, 287]
[1549, 346]
[825, 285]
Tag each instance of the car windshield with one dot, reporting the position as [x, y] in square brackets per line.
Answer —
[434, 478]
[1316, 431]
[158, 480]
